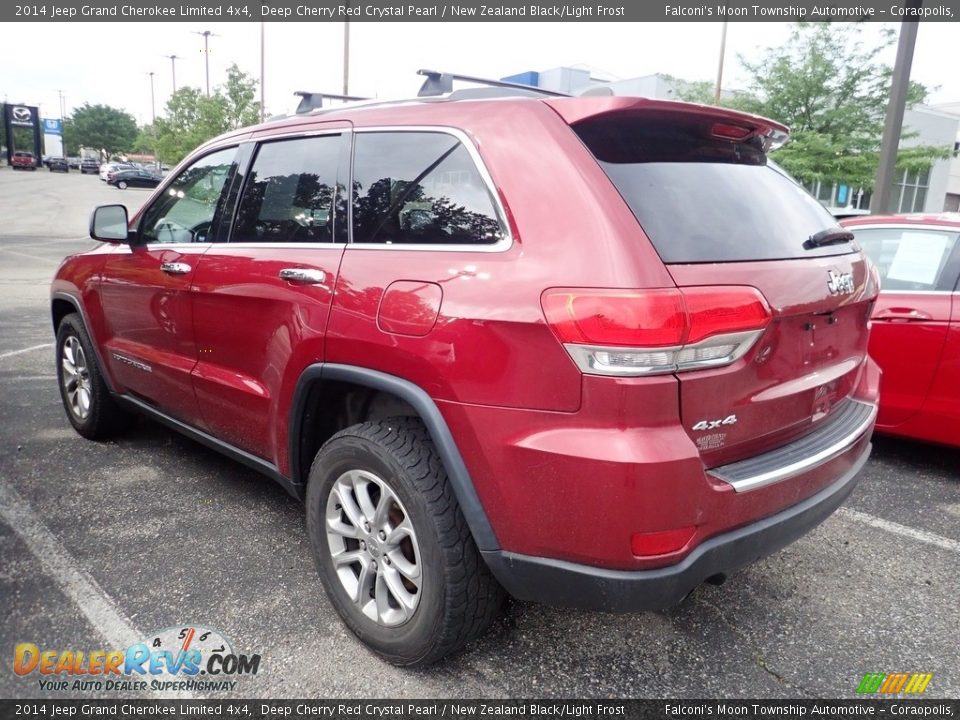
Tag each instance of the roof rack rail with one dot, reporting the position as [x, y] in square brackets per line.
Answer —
[441, 83]
[314, 100]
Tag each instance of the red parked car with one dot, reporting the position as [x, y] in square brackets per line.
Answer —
[23, 160]
[591, 351]
[916, 322]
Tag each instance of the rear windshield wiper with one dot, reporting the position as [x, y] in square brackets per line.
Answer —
[830, 236]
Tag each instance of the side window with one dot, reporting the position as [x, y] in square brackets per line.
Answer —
[185, 211]
[908, 259]
[290, 191]
[419, 187]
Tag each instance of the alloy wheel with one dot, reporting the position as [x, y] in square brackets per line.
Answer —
[374, 548]
[76, 378]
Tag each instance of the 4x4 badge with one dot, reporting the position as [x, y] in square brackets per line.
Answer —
[839, 283]
[711, 424]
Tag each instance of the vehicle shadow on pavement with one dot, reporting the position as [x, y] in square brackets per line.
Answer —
[912, 455]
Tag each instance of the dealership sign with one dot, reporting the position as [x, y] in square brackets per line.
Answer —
[52, 127]
[22, 115]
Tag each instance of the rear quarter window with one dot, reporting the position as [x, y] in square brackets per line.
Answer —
[703, 199]
[420, 188]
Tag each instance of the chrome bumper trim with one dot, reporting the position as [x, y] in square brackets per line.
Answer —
[822, 445]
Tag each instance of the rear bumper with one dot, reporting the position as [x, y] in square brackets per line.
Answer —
[557, 582]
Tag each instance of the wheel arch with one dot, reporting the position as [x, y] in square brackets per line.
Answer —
[63, 304]
[302, 418]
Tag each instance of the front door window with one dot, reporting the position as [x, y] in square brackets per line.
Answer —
[185, 211]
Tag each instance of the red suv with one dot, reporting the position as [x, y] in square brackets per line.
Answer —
[23, 160]
[591, 351]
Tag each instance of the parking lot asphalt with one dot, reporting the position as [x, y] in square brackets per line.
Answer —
[101, 542]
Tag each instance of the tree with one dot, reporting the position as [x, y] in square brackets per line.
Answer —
[102, 127]
[239, 93]
[832, 92]
[192, 118]
[71, 146]
[145, 142]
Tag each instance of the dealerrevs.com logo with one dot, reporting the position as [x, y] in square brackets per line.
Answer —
[180, 658]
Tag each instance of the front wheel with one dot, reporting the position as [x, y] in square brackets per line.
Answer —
[392, 547]
[90, 408]
[122, 184]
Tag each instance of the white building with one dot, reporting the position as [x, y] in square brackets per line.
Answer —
[952, 203]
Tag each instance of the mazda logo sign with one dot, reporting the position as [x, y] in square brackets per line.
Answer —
[22, 114]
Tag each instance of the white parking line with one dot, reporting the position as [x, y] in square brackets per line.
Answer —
[902, 530]
[61, 567]
[25, 350]
[52, 261]
[64, 570]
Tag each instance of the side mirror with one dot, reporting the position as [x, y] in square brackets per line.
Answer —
[109, 223]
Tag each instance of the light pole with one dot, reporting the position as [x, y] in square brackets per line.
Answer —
[153, 119]
[173, 68]
[723, 50]
[263, 49]
[63, 107]
[346, 57]
[153, 107]
[899, 86]
[206, 53]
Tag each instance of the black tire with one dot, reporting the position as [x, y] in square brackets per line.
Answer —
[104, 418]
[122, 184]
[458, 597]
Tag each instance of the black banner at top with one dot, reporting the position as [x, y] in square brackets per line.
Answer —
[471, 11]
[446, 709]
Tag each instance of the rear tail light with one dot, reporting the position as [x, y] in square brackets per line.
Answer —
[644, 332]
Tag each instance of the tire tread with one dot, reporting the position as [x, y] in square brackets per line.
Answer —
[106, 418]
[474, 597]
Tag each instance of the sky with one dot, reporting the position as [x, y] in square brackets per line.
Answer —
[109, 62]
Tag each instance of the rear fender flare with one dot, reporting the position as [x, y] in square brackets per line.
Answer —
[428, 412]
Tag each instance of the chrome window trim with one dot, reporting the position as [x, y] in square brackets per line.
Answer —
[502, 245]
[244, 245]
[154, 246]
[280, 246]
[293, 135]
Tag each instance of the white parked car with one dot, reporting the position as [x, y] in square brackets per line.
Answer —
[107, 168]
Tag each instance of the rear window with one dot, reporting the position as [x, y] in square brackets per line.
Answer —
[700, 199]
